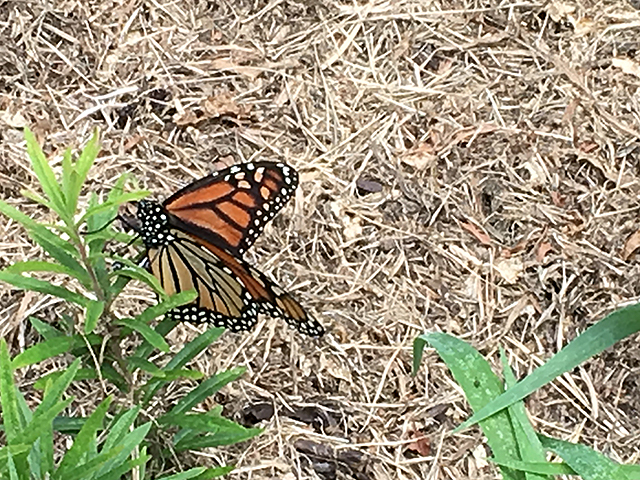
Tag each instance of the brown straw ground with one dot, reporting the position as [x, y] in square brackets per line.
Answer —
[466, 167]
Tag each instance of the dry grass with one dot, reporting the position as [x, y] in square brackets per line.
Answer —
[470, 167]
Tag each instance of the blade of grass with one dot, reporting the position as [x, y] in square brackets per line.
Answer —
[480, 385]
[8, 398]
[586, 462]
[613, 328]
[84, 440]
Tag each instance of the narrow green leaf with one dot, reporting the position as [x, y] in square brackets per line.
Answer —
[135, 272]
[8, 398]
[204, 390]
[44, 329]
[120, 427]
[37, 198]
[42, 420]
[191, 473]
[111, 205]
[480, 385]
[145, 366]
[28, 283]
[57, 388]
[528, 444]
[39, 266]
[175, 300]
[163, 328]
[87, 469]
[94, 310]
[82, 374]
[84, 440]
[18, 216]
[586, 462]
[225, 435]
[41, 351]
[147, 332]
[127, 445]
[62, 255]
[84, 163]
[119, 472]
[613, 328]
[188, 353]
[68, 172]
[545, 469]
[45, 175]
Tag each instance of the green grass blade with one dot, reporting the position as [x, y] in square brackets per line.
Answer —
[88, 469]
[41, 351]
[85, 440]
[586, 462]
[480, 385]
[8, 397]
[218, 431]
[127, 445]
[529, 446]
[119, 429]
[119, 472]
[28, 283]
[57, 387]
[613, 328]
[191, 473]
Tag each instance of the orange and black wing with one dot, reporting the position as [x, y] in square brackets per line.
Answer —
[231, 293]
[230, 208]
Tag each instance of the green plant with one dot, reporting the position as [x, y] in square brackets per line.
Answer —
[90, 332]
[519, 452]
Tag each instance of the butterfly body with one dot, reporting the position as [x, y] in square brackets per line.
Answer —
[196, 238]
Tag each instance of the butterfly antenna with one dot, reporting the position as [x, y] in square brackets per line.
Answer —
[102, 227]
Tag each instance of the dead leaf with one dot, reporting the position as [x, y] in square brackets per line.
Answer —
[627, 66]
[588, 147]
[559, 11]
[509, 269]
[543, 249]
[631, 245]
[421, 445]
[557, 199]
[468, 133]
[187, 117]
[419, 157]
[584, 26]
[477, 232]
[13, 120]
[220, 105]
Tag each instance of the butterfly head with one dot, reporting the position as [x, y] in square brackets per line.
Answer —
[154, 224]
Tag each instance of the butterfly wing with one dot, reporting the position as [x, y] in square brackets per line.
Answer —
[230, 208]
[231, 293]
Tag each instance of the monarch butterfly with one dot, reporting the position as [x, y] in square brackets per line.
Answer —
[195, 240]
